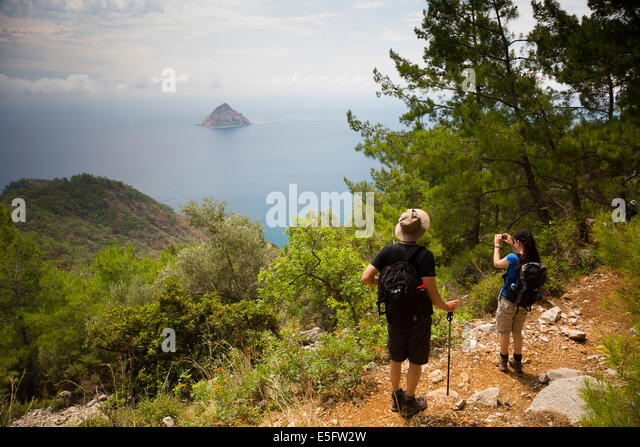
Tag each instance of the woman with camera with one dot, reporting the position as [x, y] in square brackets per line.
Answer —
[509, 317]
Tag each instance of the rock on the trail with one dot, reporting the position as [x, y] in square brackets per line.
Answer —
[459, 405]
[552, 315]
[575, 335]
[562, 373]
[487, 397]
[487, 327]
[543, 377]
[436, 376]
[168, 422]
[441, 394]
[562, 395]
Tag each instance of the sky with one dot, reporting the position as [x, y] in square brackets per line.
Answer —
[305, 47]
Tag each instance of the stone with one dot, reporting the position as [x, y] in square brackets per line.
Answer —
[369, 366]
[543, 339]
[552, 315]
[441, 394]
[574, 335]
[634, 331]
[562, 396]
[487, 327]
[562, 373]
[311, 336]
[64, 395]
[168, 422]
[488, 397]
[436, 376]
[610, 372]
[459, 405]
[543, 377]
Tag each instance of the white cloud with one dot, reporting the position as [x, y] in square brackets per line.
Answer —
[72, 83]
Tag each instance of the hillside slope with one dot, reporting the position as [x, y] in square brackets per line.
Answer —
[546, 348]
[72, 219]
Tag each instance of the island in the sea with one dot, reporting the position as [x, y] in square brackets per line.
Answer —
[225, 116]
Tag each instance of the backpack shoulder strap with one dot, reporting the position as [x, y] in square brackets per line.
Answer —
[411, 253]
[524, 284]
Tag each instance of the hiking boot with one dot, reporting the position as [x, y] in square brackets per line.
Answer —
[516, 365]
[501, 364]
[397, 399]
[413, 406]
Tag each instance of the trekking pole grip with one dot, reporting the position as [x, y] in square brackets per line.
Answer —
[449, 316]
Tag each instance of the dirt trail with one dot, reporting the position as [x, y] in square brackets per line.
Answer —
[475, 371]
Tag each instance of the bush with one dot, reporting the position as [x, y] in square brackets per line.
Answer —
[130, 338]
[617, 403]
[483, 296]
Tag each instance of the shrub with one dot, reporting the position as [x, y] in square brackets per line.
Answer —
[617, 403]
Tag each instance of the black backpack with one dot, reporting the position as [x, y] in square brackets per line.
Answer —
[526, 290]
[405, 302]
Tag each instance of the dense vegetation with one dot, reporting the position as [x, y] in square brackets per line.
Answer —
[516, 152]
[72, 219]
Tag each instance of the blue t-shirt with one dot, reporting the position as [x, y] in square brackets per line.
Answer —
[512, 272]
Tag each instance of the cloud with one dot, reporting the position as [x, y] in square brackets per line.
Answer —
[65, 8]
[370, 4]
[72, 83]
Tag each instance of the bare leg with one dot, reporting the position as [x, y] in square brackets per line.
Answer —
[413, 377]
[517, 342]
[504, 343]
[395, 372]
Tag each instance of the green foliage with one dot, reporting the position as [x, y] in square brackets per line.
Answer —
[228, 264]
[483, 296]
[129, 338]
[318, 276]
[237, 391]
[21, 270]
[148, 412]
[617, 403]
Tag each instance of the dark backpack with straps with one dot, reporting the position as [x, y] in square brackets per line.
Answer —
[526, 290]
[399, 292]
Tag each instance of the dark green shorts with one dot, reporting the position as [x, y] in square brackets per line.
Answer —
[411, 343]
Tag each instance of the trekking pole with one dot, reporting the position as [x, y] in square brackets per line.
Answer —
[449, 318]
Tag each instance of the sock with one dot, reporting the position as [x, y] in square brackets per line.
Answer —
[505, 356]
[517, 357]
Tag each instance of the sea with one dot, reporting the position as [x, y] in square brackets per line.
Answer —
[154, 144]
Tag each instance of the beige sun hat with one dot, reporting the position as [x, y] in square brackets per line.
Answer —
[412, 224]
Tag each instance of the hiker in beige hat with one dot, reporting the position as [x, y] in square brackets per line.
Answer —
[405, 266]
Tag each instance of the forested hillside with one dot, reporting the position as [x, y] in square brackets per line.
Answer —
[72, 219]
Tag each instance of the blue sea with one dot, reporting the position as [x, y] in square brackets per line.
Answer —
[155, 145]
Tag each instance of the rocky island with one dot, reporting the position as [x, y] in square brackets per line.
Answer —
[225, 116]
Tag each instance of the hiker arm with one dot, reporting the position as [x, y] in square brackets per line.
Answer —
[434, 295]
[369, 276]
[497, 262]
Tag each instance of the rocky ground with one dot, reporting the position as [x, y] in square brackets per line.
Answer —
[560, 349]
